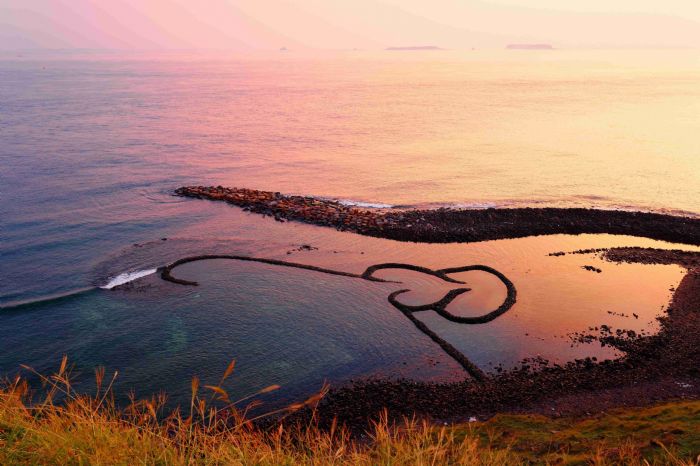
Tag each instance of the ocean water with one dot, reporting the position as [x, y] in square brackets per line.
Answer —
[91, 147]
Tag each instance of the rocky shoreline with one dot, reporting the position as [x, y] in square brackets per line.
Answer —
[654, 367]
[452, 225]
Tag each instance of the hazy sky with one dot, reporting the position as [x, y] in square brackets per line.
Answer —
[270, 24]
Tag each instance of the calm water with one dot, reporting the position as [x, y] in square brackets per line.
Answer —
[91, 147]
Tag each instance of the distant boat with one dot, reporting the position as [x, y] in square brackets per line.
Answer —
[419, 47]
[284, 49]
[529, 47]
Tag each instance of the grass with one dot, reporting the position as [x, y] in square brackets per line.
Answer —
[91, 429]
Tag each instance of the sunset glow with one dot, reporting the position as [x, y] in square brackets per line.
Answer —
[400, 221]
[340, 24]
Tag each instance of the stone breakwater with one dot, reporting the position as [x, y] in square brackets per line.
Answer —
[453, 225]
[282, 207]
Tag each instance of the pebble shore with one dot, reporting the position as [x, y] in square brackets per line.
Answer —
[452, 225]
[283, 208]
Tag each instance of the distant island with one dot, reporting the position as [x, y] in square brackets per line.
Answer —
[529, 47]
[420, 47]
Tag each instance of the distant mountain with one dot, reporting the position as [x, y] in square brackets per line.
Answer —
[529, 47]
[420, 47]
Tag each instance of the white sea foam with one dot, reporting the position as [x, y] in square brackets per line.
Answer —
[127, 277]
[369, 205]
[474, 205]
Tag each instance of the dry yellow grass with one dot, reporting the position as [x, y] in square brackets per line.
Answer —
[90, 429]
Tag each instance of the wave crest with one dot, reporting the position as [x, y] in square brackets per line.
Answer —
[127, 277]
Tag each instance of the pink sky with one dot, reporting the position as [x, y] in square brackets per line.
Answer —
[341, 24]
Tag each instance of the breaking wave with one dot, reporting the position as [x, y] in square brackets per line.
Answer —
[127, 277]
[369, 205]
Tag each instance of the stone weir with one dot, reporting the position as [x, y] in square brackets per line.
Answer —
[300, 208]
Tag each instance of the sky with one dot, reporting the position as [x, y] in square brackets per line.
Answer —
[345, 24]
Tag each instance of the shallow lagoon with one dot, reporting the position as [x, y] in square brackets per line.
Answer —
[298, 328]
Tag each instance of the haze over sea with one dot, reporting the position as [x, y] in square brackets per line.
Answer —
[92, 144]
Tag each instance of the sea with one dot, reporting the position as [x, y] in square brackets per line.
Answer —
[93, 144]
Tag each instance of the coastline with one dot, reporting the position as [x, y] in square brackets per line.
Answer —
[653, 368]
[446, 225]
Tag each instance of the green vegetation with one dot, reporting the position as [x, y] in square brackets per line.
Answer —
[87, 429]
[660, 434]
